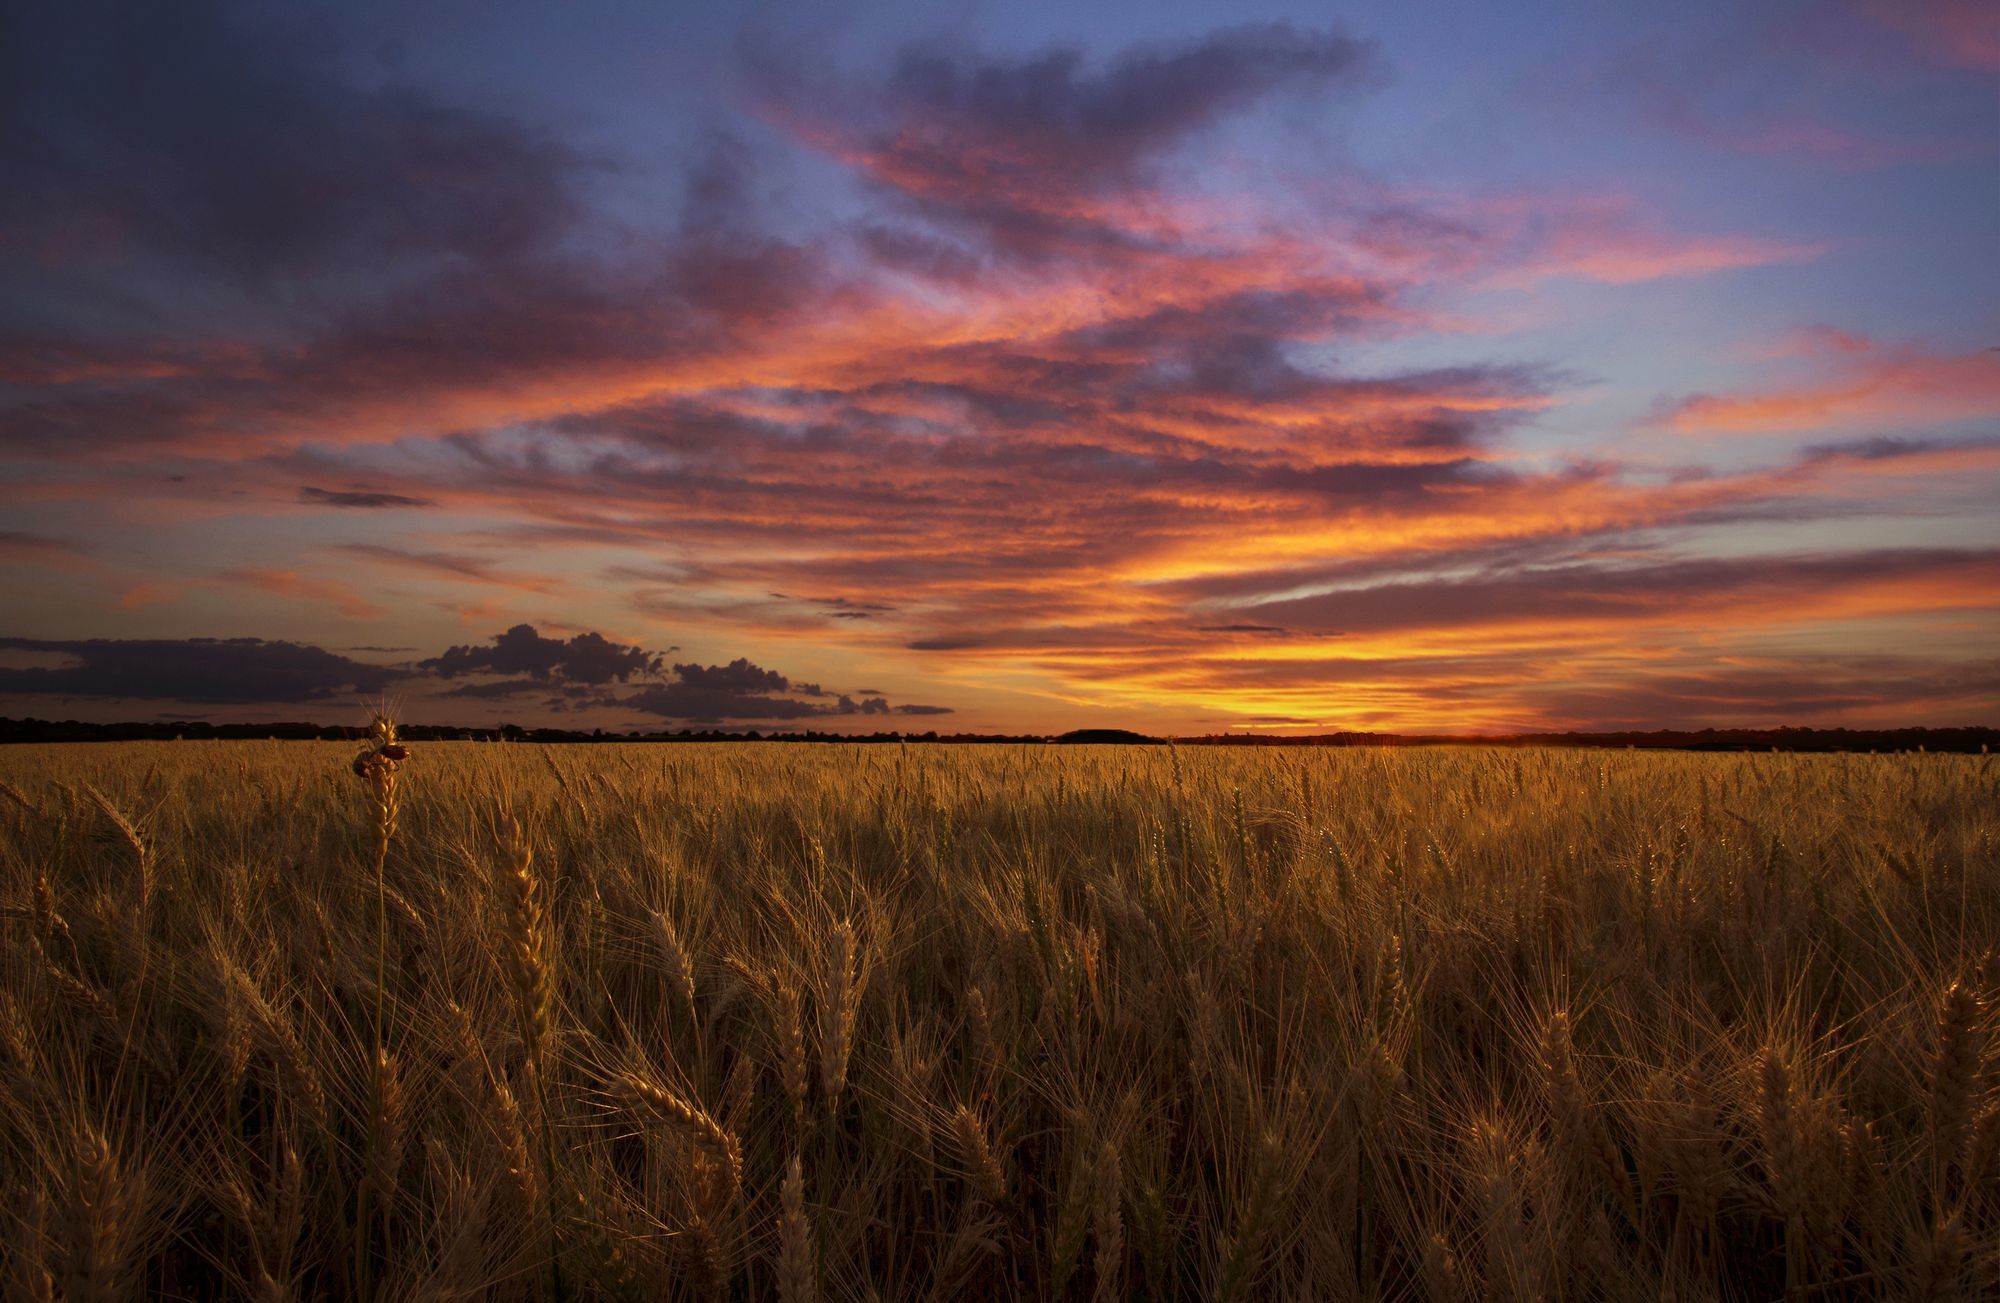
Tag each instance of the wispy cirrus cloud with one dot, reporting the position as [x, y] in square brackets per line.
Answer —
[444, 565]
[360, 499]
[290, 583]
[1854, 379]
[18, 547]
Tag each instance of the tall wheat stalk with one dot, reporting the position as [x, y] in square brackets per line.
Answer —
[376, 765]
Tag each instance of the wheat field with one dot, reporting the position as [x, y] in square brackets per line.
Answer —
[930, 1022]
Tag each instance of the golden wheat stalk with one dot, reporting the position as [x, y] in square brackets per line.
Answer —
[129, 830]
[983, 1172]
[796, 1277]
[840, 997]
[100, 1228]
[680, 969]
[790, 1014]
[528, 969]
[720, 1144]
[1106, 1224]
[1954, 1073]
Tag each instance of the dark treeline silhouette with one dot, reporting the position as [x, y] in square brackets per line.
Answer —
[1708, 739]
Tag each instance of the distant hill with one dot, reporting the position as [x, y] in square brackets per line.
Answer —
[1107, 736]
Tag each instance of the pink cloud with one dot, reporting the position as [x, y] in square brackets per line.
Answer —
[289, 583]
[1857, 380]
[1963, 33]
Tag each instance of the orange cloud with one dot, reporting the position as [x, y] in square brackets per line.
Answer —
[289, 583]
[1861, 381]
[150, 593]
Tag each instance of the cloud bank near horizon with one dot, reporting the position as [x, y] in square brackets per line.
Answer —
[515, 669]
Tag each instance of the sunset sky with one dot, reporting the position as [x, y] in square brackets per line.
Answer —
[1002, 367]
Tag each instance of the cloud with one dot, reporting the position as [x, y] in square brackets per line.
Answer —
[1856, 380]
[276, 251]
[1632, 594]
[211, 671]
[1958, 33]
[496, 689]
[446, 565]
[745, 691]
[584, 672]
[357, 498]
[581, 668]
[587, 658]
[739, 676]
[289, 583]
[251, 153]
[20, 548]
[1884, 690]
[1031, 152]
[842, 608]
[1913, 453]
[1732, 95]
[1611, 239]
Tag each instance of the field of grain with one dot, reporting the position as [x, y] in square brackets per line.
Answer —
[857, 1022]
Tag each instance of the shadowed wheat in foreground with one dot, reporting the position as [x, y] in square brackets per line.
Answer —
[859, 1022]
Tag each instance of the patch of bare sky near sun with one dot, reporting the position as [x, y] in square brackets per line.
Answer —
[1042, 379]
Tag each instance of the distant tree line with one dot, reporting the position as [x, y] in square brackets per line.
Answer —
[1708, 739]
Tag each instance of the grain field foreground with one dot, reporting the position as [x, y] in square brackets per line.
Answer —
[856, 1022]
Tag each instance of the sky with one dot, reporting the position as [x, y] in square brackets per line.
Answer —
[1011, 367]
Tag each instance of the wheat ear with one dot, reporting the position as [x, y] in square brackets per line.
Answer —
[796, 1280]
[721, 1146]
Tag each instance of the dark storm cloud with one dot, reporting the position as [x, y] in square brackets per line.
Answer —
[358, 498]
[586, 658]
[232, 671]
